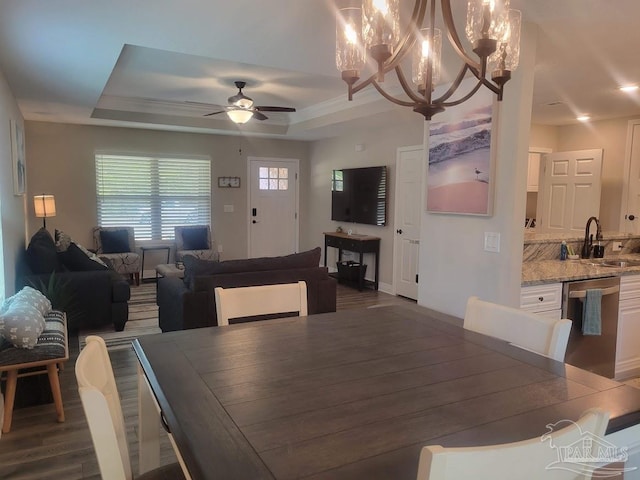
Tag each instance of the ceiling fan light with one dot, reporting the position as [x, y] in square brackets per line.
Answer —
[240, 116]
[244, 102]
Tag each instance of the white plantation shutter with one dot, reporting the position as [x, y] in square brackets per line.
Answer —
[151, 194]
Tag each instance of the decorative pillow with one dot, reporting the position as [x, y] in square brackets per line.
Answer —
[76, 260]
[195, 238]
[23, 322]
[41, 253]
[91, 255]
[62, 241]
[114, 241]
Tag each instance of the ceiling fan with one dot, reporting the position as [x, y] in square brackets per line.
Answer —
[241, 108]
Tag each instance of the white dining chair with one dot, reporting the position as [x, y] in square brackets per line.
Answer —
[523, 329]
[260, 300]
[101, 404]
[532, 459]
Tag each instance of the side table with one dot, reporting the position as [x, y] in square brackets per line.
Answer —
[149, 249]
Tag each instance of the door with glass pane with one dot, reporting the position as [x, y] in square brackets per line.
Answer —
[273, 207]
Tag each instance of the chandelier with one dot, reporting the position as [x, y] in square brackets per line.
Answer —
[492, 28]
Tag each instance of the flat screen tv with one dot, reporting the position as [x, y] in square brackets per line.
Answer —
[359, 195]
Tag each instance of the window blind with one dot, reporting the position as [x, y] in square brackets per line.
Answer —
[152, 194]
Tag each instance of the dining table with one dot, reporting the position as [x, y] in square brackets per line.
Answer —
[354, 394]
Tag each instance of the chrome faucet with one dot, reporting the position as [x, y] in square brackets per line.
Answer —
[588, 239]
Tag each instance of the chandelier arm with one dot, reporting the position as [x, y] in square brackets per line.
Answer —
[455, 84]
[397, 101]
[471, 93]
[407, 88]
[447, 16]
[407, 42]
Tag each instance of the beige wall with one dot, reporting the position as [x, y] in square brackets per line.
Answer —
[61, 162]
[611, 136]
[380, 146]
[12, 207]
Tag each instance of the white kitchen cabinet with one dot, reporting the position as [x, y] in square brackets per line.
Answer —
[533, 174]
[628, 344]
[544, 299]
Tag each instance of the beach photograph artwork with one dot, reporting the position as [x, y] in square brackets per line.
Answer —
[460, 168]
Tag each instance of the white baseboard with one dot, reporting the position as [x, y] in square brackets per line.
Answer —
[628, 369]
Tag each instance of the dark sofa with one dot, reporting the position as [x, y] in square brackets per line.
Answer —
[91, 294]
[190, 302]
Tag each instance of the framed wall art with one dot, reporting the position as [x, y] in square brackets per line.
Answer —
[18, 158]
[460, 174]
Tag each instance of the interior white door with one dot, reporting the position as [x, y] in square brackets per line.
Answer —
[569, 191]
[408, 198]
[273, 207]
[629, 221]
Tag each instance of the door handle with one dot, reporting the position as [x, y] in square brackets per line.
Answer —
[254, 221]
[631, 217]
[399, 231]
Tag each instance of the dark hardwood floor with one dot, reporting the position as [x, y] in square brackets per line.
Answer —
[39, 448]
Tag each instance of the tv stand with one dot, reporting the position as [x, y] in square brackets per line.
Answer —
[360, 244]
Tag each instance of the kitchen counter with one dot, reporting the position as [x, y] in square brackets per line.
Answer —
[552, 271]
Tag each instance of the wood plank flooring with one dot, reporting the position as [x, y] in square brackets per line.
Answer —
[38, 448]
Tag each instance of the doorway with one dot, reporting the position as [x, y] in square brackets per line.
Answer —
[407, 217]
[273, 206]
[569, 191]
[629, 221]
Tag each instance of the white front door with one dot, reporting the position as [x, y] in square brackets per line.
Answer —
[408, 198]
[273, 207]
[630, 218]
[569, 191]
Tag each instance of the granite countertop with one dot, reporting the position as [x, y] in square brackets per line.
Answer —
[552, 271]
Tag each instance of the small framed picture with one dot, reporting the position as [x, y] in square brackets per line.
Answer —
[229, 182]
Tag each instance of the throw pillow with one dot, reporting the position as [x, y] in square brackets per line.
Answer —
[23, 322]
[76, 260]
[41, 253]
[195, 238]
[62, 241]
[114, 241]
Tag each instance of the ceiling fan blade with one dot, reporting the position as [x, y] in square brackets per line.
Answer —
[274, 109]
[259, 116]
[214, 113]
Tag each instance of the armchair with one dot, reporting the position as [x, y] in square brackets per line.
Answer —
[116, 246]
[194, 240]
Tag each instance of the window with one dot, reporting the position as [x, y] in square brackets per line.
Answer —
[153, 194]
[273, 178]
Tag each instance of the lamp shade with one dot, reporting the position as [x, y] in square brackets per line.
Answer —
[45, 206]
[240, 115]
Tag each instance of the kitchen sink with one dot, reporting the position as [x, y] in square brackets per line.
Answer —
[603, 262]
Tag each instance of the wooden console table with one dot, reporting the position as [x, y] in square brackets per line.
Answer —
[360, 244]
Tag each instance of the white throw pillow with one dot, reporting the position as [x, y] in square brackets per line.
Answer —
[22, 317]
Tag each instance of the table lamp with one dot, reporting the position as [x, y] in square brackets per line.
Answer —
[45, 206]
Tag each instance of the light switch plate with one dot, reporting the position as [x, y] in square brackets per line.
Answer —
[492, 242]
[228, 209]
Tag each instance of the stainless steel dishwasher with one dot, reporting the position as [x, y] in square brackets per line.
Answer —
[596, 353]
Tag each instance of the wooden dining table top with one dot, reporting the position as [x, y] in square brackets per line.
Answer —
[356, 394]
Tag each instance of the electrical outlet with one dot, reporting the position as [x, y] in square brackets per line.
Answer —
[617, 246]
[219, 248]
